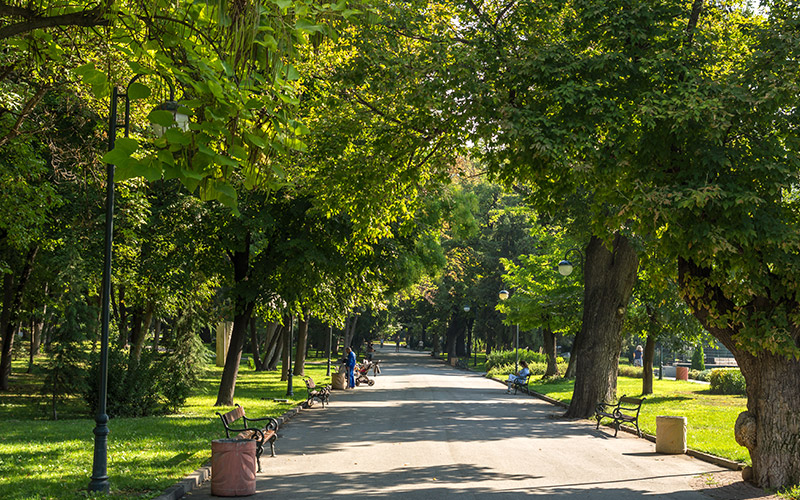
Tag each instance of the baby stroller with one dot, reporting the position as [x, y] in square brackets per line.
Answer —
[361, 373]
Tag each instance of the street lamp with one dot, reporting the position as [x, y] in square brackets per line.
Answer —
[565, 266]
[503, 296]
[466, 333]
[289, 388]
[99, 481]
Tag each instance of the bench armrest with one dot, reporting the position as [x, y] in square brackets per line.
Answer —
[271, 426]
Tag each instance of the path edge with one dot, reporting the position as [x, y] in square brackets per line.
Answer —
[196, 479]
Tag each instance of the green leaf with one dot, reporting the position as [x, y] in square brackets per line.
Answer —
[177, 136]
[306, 25]
[138, 91]
[161, 117]
[123, 149]
[166, 157]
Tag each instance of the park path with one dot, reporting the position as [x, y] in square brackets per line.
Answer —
[428, 431]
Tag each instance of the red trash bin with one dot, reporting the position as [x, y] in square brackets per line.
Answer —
[682, 373]
[233, 467]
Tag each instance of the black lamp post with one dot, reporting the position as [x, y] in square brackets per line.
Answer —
[467, 340]
[330, 346]
[503, 296]
[99, 481]
[289, 389]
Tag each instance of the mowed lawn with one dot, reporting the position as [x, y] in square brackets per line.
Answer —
[45, 459]
[710, 417]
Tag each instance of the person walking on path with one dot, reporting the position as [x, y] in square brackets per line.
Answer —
[351, 366]
[638, 356]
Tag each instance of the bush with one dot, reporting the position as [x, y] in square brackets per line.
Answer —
[537, 369]
[701, 375]
[631, 371]
[727, 381]
[500, 358]
[698, 359]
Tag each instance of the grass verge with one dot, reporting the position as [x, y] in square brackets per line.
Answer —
[43, 459]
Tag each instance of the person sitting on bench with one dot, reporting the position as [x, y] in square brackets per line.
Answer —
[521, 376]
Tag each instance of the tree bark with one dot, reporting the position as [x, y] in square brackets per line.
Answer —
[12, 298]
[287, 349]
[36, 334]
[773, 401]
[270, 344]
[122, 341]
[302, 342]
[550, 351]
[141, 325]
[254, 344]
[244, 309]
[277, 350]
[647, 365]
[609, 279]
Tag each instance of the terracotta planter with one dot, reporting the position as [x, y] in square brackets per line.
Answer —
[233, 467]
[681, 373]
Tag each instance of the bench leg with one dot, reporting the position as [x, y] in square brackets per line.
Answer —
[272, 446]
[259, 451]
[616, 427]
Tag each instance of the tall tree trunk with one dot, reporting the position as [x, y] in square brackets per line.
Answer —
[141, 325]
[350, 333]
[302, 342]
[122, 340]
[277, 349]
[254, 344]
[12, 299]
[287, 349]
[157, 334]
[36, 334]
[770, 428]
[550, 351]
[609, 279]
[270, 343]
[647, 365]
[244, 309]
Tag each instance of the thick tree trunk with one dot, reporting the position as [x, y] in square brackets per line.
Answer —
[12, 299]
[550, 351]
[770, 428]
[572, 366]
[157, 334]
[302, 342]
[609, 279]
[244, 309]
[277, 351]
[773, 413]
[647, 364]
[141, 325]
[351, 331]
[36, 335]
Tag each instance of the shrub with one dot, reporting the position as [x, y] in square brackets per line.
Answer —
[698, 359]
[499, 358]
[631, 371]
[727, 381]
[701, 375]
[536, 368]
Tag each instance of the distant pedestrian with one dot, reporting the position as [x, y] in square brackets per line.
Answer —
[638, 356]
[351, 366]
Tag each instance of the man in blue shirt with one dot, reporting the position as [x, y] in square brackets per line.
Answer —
[351, 365]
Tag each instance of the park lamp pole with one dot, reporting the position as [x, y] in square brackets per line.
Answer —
[99, 480]
[466, 333]
[503, 296]
[289, 388]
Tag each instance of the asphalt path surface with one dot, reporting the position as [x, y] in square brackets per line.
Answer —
[429, 431]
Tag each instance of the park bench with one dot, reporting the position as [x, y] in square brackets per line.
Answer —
[321, 394]
[260, 435]
[626, 410]
[522, 384]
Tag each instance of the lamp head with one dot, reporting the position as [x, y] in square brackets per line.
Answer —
[503, 294]
[181, 119]
[565, 267]
[466, 309]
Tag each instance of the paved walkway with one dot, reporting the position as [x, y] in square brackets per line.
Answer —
[427, 431]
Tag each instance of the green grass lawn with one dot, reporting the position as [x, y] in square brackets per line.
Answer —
[45, 459]
[710, 417]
